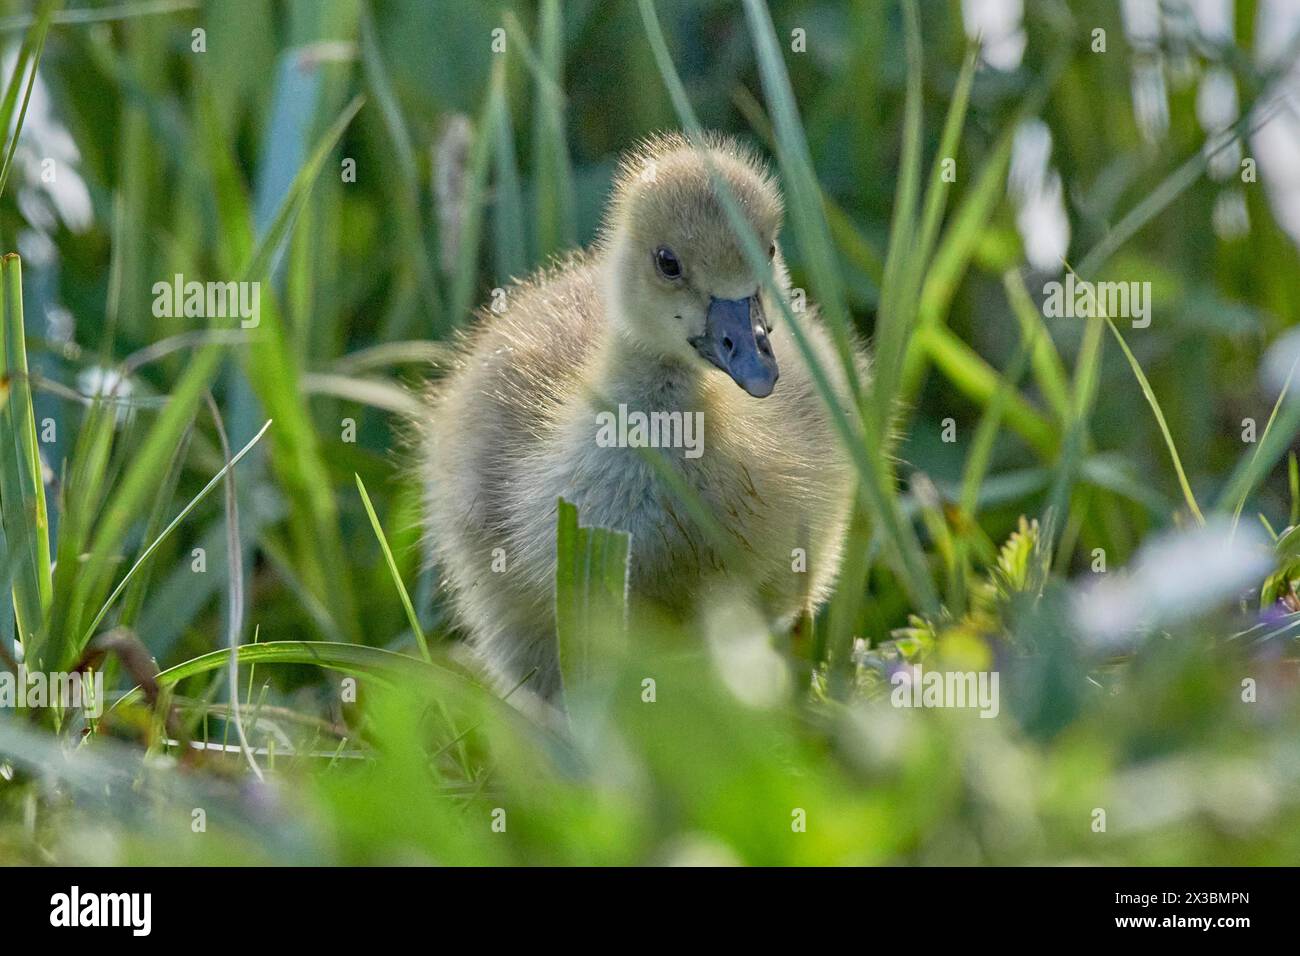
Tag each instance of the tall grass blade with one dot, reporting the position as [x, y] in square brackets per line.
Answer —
[133, 597]
[1049, 370]
[1150, 396]
[865, 446]
[936, 193]
[171, 526]
[903, 261]
[967, 224]
[804, 193]
[1087, 365]
[407, 606]
[591, 579]
[274, 370]
[1279, 432]
[234, 587]
[22, 488]
[465, 278]
[29, 60]
[555, 220]
[419, 259]
[509, 234]
[1252, 467]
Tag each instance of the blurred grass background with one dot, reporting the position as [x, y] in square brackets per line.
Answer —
[375, 225]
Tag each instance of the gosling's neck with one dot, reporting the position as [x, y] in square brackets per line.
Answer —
[627, 373]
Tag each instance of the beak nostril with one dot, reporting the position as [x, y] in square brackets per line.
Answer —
[735, 340]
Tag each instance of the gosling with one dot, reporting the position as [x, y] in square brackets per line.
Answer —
[663, 314]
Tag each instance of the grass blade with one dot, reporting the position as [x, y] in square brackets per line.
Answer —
[870, 455]
[936, 194]
[555, 221]
[1150, 396]
[956, 248]
[133, 597]
[123, 11]
[132, 496]
[1087, 366]
[346, 658]
[30, 54]
[465, 280]
[1283, 423]
[1049, 370]
[22, 489]
[970, 373]
[796, 163]
[274, 370]
[153, 546]
[903, 258]
[591, 579]
[407, 606]
[420, 261]
[1254, 458]
[235, 590]
[510, 256]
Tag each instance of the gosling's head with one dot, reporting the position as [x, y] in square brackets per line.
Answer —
[679, 284]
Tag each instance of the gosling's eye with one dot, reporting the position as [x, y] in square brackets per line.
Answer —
[667, 263]
[771, 250]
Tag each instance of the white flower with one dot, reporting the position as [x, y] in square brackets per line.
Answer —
[1175, 577]
[95, 382]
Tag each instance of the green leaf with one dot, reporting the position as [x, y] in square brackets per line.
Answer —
[346, 658]
[591, 578]
[131, 499]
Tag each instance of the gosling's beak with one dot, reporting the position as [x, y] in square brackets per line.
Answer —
[735, 340]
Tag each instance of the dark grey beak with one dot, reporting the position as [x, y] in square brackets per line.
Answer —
[735, 340]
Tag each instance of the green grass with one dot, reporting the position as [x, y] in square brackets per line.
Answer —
[409, 608]
[591, 581]
[382, 738]
[26, 520]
